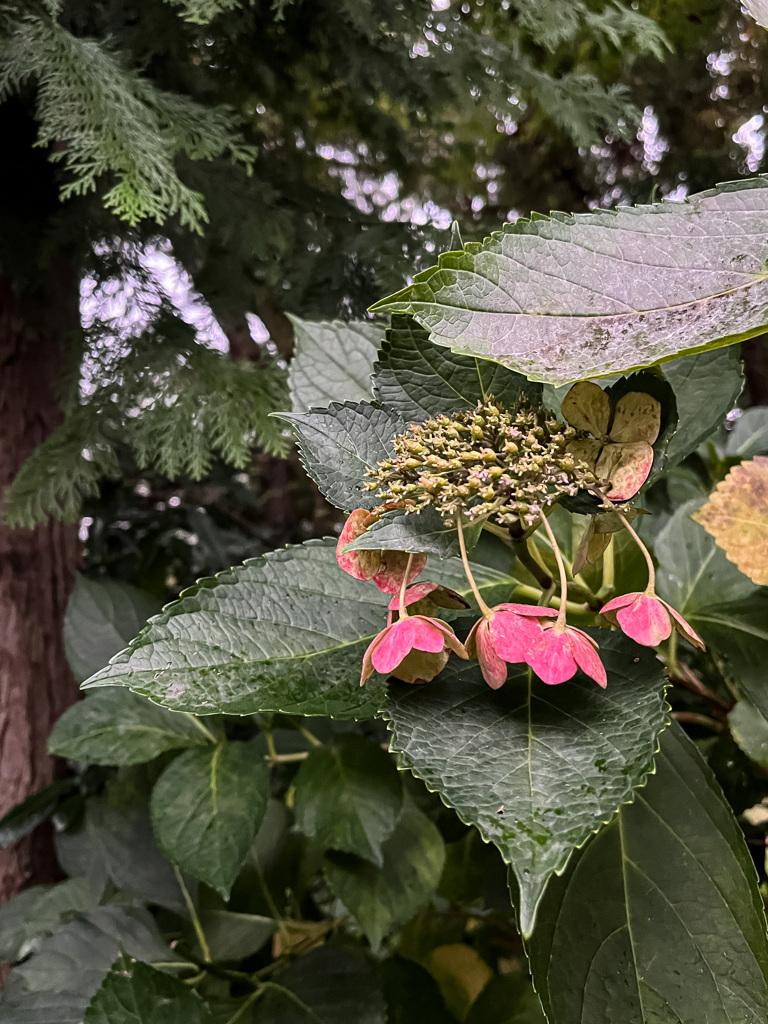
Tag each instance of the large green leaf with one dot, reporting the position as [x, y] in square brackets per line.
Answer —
[332, 362]
[750, 730]
[564, 298]
[348, 796]
[284, 632]
[421, 531]
[37, 912]
[207, 807]
[118, 727]
[706, 387]
[536, 768]
[417, 379]
[101, 617]
[331, 985]
[386, 896]
[659, 919]
[135, 993]
[337, 445]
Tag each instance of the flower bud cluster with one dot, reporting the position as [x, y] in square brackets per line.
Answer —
[491, 461]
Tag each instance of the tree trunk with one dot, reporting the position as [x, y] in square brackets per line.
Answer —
[36, 574]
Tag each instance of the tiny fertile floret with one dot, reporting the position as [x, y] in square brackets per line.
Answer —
[510, 464]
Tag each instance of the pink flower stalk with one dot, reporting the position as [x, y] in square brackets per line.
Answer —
[414, 649]
[648, 620]
[386, 568]
[561, 651]
[505, 635]
[425, 599]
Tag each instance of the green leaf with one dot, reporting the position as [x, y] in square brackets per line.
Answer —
[706, 387]
[331, 985]
[114, 841]
[207, 807]
[134, 993]
[420, 531]
[102, 617]
[55, 985]
[536, 768]
[26, 816]
[284, 632]
[338, 445]
[417, 379]
[118, 727]
[348, 796]
[37, 912]
[750, 730]
[385, 897]
[565, 298]
[659, 919]
[332, 362]
[749, 436]
[232, 936]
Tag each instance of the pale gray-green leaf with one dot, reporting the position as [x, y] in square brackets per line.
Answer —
[659, 919]
[102, 617]
[348, 796]
[339, 444]
[750, 730]
[386, 896]
[28, 917]
[206, 808]
[757, 9]
[117, 727]
[417, 379]
[565, 298]
[749, 436]
[332, 362]
[234, 936]
[706, 387]
[536, 768]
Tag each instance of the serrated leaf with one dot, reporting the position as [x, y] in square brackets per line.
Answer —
[348, 796]
[331, 985]
[102, 617]
[56, 984]
[118, 727]
[332, 362]
[565, 298]
[206, 808]
[339, 444]
[736, 516]
[134, 993]
[37, 912]
[749, 435]
[385, 896]
[706, 387]
[536, 768]
[417, 379]
[26, 816]
[659, 919]
[750, 730]
[284, 632]
[420, 531]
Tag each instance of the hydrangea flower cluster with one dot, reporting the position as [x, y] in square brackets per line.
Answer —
[511, 467]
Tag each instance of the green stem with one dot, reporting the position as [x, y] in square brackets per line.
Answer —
[195, 919]
[651, 587]
[310, 736]
[199, 725]
[608, 584]
[246, 1005]
[534, 594]
[300, 755]
[403, 587]
[560, 623]
[486, 611]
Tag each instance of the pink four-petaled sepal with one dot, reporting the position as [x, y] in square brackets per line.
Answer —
[386, 568]
[561, 651]
[504, 637]
[648, 620]
[425, 599]
[414, 650]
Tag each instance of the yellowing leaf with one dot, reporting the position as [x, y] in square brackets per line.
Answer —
[736, 515]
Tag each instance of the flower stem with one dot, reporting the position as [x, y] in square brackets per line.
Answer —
[403, 587]
[560, 568]
[193, 916]
[651, 587]
[468, 572]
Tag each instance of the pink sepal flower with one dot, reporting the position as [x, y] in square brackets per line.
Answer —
[648, 620]
[425, 599]
[414, 649]
[505, 636]
[561, 651]
[385, 568]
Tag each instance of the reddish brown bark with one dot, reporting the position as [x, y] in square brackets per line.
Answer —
[36, 574]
